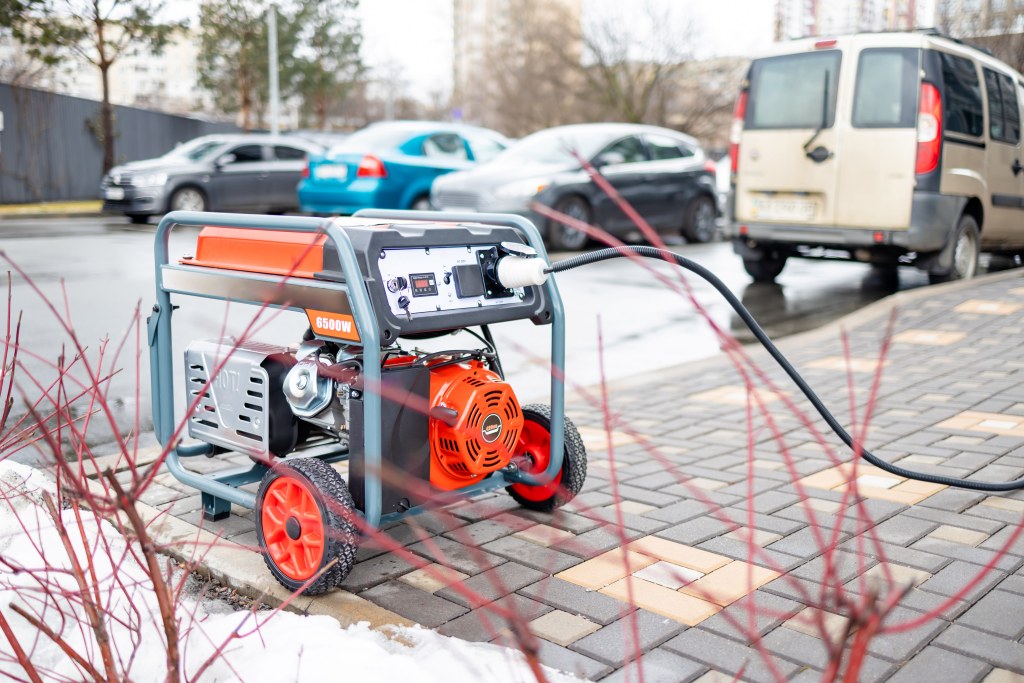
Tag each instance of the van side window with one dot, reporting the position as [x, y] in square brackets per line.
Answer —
[1003, 115]
[887, 86]
[961, 101]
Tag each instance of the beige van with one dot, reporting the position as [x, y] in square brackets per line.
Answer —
[887, 148]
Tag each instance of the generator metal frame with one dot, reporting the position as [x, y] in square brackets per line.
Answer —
[221, 488]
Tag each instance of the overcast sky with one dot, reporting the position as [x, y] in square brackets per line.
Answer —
[416, 35]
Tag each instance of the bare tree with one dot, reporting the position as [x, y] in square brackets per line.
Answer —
[988, 31]
[533, 70]
[547, 67]
[627, 67]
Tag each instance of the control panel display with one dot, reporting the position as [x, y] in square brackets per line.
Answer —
[423, 284]
[437, 279]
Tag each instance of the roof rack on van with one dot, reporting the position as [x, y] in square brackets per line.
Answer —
[932, 31]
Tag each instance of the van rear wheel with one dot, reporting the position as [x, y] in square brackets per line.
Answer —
[766, 267]
[966, 248]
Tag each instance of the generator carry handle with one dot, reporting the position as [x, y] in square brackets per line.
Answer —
[225, 486]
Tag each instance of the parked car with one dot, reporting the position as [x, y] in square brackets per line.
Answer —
[325, 138]
[886, 148]
[253, 172]
[662, 173]
[391, 165]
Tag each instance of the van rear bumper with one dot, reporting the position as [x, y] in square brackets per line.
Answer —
[933, 217]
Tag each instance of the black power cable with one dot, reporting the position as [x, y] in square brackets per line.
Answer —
[762, 336]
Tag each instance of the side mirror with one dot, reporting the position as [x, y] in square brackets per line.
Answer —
[609, 159]
[224, 160]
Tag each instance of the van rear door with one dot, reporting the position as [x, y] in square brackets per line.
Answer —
[876, 174]
[791, 110]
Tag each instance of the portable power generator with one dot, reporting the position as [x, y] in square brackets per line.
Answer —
[417, 428]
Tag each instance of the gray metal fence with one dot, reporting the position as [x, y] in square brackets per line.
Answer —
[49, 152]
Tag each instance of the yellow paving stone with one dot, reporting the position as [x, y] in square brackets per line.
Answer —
[929, 337]
[842, 364]
[900, 412]
[606, 568]
[677, 553]
[761, 538]
[956, 534]
[597, 439]
[681, 607]
[990, 423]
[1001, 503]
[562, 628]
[829, 507]
[893, 495]
[926, 488]
[730, 583]
[898, 573]
[768, 464]
[706, 484]
[923, 460]
[715, 677]
[1003, 676]
[806, 621]
[632, 507]
[987, 307]
[544, 535]
[433, 578]
[826, 479]
[733, 395]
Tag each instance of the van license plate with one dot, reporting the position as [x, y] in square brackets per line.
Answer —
[772, 209]
[114, 193]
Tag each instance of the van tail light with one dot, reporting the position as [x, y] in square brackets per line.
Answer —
[371, 167]
[929, 129]
[305, 170]
[709, 166]
[738, 114]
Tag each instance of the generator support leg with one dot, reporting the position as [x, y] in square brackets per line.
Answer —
[214, 508]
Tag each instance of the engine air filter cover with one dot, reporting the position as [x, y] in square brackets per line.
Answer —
[483, 437]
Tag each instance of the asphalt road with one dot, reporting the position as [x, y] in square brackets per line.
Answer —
[621, 320]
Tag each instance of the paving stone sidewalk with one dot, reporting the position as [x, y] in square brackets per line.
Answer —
[653, 558]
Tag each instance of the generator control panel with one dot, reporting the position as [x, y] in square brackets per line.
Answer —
[438, 279]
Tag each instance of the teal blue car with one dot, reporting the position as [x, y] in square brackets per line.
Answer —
[391, 165]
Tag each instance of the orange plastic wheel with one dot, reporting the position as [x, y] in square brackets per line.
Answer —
[293, 529]
[533, 454]
[305, 525]
[535, 444]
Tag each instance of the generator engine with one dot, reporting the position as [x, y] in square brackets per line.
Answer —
[449, 417]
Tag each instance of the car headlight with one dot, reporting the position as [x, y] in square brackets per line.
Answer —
[522, 188]
[150, 179]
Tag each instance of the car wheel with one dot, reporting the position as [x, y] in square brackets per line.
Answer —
[187, 199]
[138, 218]
[966, 248]
[562, 236]
[700, 220]
[766, 268]
[421, 204]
